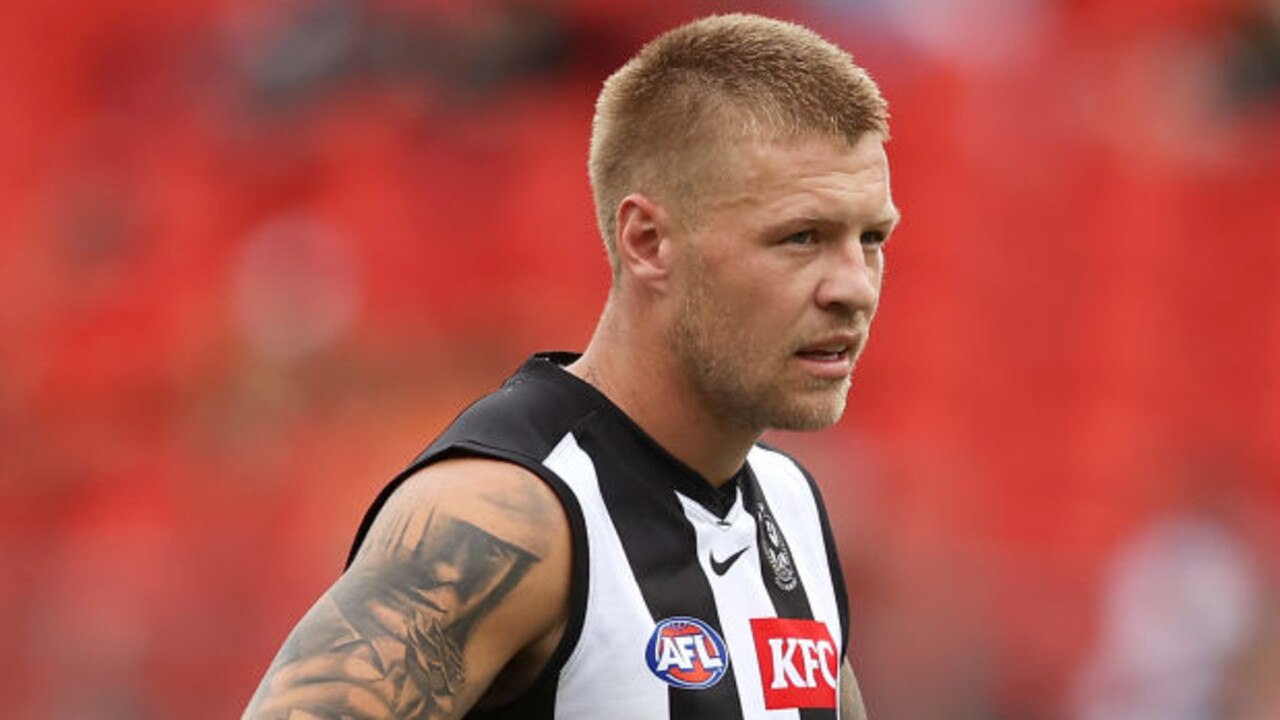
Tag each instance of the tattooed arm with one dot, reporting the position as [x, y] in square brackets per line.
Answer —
[851, 705]
[464, 574]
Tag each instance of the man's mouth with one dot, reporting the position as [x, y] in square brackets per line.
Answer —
[832, 348]
[825, 355]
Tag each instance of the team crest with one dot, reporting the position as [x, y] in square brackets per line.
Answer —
[687, 653]
[776, 553]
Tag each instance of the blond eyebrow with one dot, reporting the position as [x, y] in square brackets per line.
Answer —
[889, 219]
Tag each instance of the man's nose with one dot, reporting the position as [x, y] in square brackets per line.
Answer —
[852, 279]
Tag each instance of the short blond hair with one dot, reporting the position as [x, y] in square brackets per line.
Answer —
[691, 93]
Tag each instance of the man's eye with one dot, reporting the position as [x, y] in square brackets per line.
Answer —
[804, 237]
[872, 237]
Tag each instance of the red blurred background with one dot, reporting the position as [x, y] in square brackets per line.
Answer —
[254, 254]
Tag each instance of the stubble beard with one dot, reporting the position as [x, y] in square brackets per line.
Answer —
[719, 358]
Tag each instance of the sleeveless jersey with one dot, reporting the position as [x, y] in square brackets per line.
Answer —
[687, 601]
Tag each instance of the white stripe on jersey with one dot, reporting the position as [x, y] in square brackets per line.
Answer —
[615, 676]
[736, 602]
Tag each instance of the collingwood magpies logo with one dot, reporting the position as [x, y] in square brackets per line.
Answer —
[776, 553]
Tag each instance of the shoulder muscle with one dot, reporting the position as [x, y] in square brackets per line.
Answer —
[467, 563]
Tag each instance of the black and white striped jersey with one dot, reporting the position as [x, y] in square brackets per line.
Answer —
[688, 601]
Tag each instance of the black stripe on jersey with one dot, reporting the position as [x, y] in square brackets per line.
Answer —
[833, 561]
[637, 487]
[793, 603]
[833, 556]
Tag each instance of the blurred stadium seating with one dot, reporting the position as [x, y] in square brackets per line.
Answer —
[253, 254]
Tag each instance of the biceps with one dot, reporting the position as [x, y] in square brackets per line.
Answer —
[370, 656]
[390, 639]
[328, 669]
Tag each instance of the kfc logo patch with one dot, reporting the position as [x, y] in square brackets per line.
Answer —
[687, 652]
[799, 663]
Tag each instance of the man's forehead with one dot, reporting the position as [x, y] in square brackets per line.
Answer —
[753, 169]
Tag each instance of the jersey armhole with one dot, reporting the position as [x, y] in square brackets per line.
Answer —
[542, 689]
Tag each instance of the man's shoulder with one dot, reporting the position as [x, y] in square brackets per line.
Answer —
[465, 568]
[501, 498]
[496, 443]
[527, 415]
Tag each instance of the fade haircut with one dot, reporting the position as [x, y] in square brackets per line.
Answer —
[666, 119]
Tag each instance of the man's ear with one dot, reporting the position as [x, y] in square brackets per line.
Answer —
[644, 242]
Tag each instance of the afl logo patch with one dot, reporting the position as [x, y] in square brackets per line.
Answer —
[687, 653]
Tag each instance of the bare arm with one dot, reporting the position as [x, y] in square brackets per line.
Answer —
[851, 706]
[466, 566]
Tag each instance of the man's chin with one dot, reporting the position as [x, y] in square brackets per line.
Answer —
[812, 423]
[810, 416]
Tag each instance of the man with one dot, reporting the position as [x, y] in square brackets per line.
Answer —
[604, 537]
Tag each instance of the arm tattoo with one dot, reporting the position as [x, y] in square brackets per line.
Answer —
[388, 639]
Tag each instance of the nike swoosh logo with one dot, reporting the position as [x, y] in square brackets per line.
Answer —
[721, 567]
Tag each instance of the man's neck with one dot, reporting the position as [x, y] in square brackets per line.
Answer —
[652, 389]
